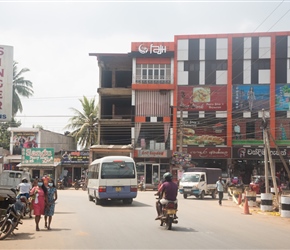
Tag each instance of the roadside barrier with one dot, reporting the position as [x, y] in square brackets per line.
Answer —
[251, 197]
[266, 202]
[285, 206]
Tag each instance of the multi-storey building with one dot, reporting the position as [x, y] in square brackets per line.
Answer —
[214, 88]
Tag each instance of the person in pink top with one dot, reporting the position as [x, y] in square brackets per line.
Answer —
[39, 194]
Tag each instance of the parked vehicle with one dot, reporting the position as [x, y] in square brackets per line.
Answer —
[77, 184]
[199, 182]
[26, 205]
[10, 179]
[10, 216]
[60, 184]
[258, 184]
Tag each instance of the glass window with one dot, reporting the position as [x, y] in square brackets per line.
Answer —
[117, 170]
[156, 73]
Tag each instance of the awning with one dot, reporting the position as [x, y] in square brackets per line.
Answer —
[38, 166]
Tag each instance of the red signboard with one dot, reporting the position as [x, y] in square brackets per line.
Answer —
[208, 152]
[203, 98]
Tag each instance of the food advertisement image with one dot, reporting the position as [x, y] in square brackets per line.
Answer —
[202, 98]
[211, 134]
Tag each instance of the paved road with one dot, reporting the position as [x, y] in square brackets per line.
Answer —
[203, 224]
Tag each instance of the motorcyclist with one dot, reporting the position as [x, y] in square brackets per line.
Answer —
[24, 188]
[167, 192]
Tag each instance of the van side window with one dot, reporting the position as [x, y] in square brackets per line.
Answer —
[202, 178]
[11, 175]
[18, 175]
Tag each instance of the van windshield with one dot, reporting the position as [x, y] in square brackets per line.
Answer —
[190, 178]
[117, 170]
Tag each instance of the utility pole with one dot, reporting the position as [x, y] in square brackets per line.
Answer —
[265, 154]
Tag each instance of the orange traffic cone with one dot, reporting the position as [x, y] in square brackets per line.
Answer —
[240, 199]
[246, 207]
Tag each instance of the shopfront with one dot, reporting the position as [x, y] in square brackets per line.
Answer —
[74, 165]
[151, 166]
[246, 159]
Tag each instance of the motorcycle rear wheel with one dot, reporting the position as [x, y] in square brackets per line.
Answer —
[6, 228]
[169, 221]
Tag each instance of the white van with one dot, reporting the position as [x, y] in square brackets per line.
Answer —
[112, 177]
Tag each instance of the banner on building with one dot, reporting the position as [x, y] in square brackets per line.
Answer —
[75, 157]
[35, 156]
[258, 153]
[210, 152]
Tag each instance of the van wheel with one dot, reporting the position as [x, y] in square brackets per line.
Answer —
[97, 201]
[185, 196]
[201, 195]
[213, 195]
[90, 198]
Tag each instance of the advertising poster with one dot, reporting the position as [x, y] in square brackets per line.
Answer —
[205, 133]
[203, 98]
[282, 97]
[251, 97]
[24, 140]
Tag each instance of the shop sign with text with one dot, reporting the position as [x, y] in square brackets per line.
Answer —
[152, 153]
[258, 153]
[75, 157]
[6, 79]
[36, 156]
[209, 152]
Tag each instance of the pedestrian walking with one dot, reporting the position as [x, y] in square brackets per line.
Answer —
[39, 194]
[220, 188]
[51, 198]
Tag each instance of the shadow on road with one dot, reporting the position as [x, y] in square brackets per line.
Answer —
[64, 212]
[181, 229]
[20, 236]
[114, 203]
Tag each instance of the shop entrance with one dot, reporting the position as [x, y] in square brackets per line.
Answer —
[152, 174]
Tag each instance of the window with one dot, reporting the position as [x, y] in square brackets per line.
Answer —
[117, 170]
[153, 73]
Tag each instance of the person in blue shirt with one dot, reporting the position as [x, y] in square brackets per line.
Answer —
[220, 188]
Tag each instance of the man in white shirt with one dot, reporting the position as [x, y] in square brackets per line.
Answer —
[24, 188]
[220, 188]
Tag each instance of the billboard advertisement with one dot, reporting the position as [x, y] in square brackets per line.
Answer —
[24, 140]
[6, 79]
[204, 132]
[282, 99]
[203, 98]
[252, 97]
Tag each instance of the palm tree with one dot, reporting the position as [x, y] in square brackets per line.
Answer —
[21, 88]
[83, 123]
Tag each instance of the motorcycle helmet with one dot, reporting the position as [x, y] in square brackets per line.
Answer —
[167, 176]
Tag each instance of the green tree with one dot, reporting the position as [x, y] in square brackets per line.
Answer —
[84, 123]
[5, 134]
[21, 88]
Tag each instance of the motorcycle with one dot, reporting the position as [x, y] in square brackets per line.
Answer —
[80, 184]
[10, 217]
[60, 184]
[76, 184]
[168, 216]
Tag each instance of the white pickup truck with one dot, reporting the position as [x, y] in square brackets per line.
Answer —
[199, 182]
